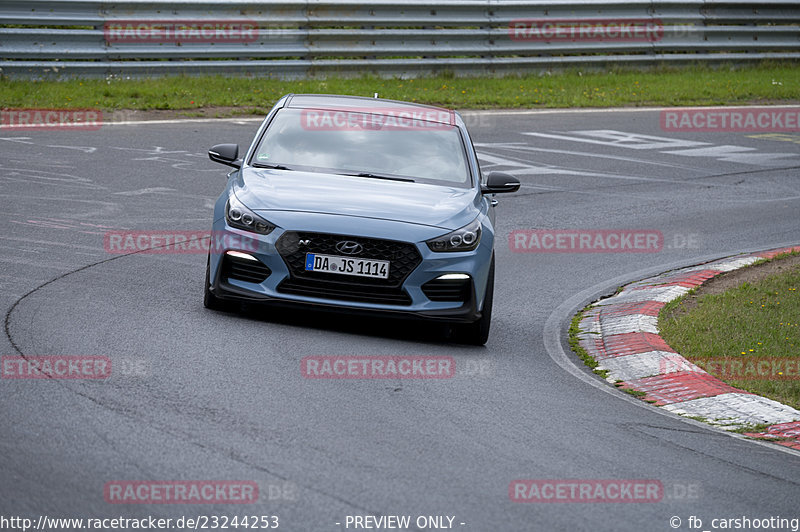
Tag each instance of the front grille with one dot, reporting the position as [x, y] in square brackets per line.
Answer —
[447, 289]
[251, 271]
[403, 257]
[345, 292]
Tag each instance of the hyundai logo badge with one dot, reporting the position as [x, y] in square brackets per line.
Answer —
[348, 247]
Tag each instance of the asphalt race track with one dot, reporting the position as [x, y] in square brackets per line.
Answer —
[205, 395]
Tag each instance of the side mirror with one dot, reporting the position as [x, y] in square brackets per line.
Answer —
[227, 154]
[497, 182]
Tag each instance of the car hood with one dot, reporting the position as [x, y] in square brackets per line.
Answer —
[418, 203]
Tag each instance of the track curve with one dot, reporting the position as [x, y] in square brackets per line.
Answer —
[199, 394]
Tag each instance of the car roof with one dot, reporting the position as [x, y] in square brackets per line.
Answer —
[366, 105]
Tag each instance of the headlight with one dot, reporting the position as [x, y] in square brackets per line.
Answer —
[240, 217]
[465, 239]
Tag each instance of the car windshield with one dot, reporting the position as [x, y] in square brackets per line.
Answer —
[377, 144]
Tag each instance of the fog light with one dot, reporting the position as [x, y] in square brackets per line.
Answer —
[453, 277]
[240, 255]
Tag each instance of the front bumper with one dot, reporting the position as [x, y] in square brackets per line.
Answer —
[273, 278]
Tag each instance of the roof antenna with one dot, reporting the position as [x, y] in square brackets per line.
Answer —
[375, 95]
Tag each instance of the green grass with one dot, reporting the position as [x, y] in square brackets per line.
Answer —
[639, 394]
[755, 428]
[752, 322]
[659, 86]
[574, 343]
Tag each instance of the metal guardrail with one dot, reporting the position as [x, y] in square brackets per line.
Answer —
[68, 38]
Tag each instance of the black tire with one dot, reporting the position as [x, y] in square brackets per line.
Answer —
[477, 333]
[210, 301]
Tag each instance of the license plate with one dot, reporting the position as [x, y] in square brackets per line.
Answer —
[378, 269]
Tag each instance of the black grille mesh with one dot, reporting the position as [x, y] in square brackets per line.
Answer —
[251, 271]
[403, 257]
[447, 289]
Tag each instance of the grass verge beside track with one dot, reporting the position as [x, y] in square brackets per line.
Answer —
[227, 96]
[739, 320]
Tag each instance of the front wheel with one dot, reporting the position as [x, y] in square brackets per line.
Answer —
[477, 333]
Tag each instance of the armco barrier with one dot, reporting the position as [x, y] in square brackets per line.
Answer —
[69, 38]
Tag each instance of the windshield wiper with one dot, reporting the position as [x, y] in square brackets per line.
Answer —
[272, 166]
[376, 176]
